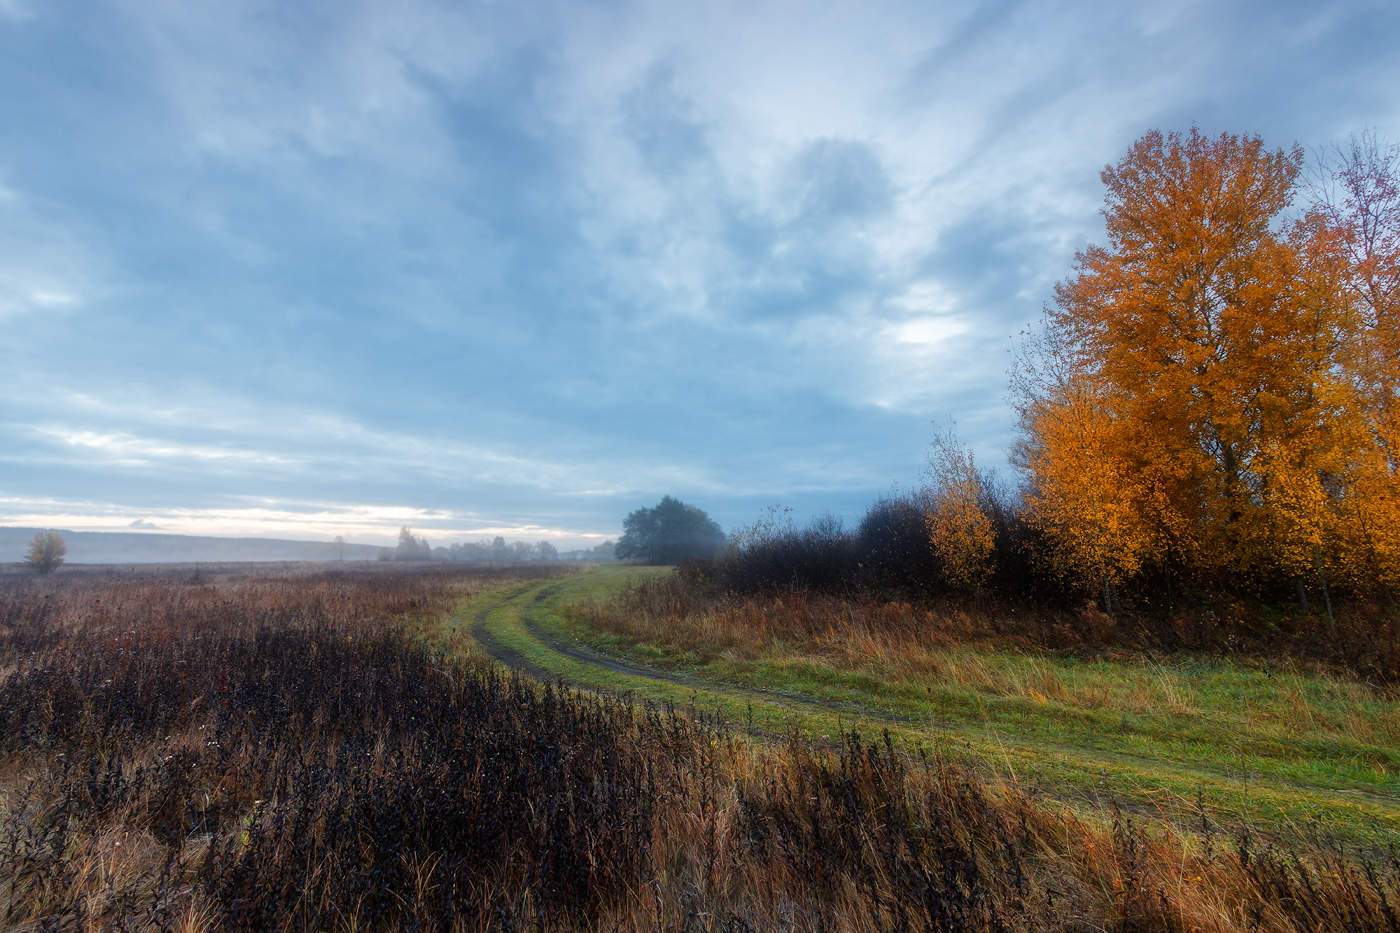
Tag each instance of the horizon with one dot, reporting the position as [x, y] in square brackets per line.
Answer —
[299, 272]
[385, 544]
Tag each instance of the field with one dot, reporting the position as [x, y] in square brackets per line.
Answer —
[1269, 747]
[327, 749]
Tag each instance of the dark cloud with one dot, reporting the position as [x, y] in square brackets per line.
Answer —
[662, 123]
[838, 180]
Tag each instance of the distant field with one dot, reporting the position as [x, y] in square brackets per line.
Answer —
[223, 571]
[1205, 741]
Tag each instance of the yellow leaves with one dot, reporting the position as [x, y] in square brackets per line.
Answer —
[961, 533]
[1209, 384]
[1083, 498]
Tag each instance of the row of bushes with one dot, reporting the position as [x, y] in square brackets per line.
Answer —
[889, 553]
[1172, 605]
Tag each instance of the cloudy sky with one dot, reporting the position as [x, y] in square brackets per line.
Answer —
[300, 269]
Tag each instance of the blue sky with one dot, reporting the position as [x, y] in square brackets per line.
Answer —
[305, 269]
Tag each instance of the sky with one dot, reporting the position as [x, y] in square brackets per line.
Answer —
[318, 268]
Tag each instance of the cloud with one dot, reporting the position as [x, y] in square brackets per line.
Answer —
[839, 179]
[540, 265]
[46, 298]
[275, 518]
[123, 449]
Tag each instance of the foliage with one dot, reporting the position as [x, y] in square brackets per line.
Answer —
[959, 529]
[46, 552]
[893, 556]
[1209, 392]
[669, 533]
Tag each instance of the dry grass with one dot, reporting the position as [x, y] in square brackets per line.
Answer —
[290, 754]
[956, 645]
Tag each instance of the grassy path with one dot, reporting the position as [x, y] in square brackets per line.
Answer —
[1150, 769]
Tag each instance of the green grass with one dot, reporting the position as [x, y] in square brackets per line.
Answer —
[1272, 749]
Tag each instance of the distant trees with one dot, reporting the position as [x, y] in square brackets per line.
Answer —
[669, 533]
[605, 551]
[46, 552]
[411, 548]
[499, 551]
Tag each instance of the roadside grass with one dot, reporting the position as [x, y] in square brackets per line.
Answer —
[1284, 752]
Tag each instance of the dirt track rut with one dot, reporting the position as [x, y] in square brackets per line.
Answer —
[582, 655]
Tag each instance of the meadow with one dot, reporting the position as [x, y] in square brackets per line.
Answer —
[323, 749]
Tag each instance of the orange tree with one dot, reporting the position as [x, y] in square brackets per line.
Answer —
[1194, 389]
[959, 528]
[1358, 196]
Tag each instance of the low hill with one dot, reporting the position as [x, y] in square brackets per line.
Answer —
[125, 547]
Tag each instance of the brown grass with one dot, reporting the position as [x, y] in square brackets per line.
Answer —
[292, 754]
[953, 642]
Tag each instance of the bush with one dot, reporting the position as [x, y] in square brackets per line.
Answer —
[46, 552]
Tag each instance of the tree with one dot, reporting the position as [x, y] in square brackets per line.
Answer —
[669, 533]
[1194, 370]
[959, 529]
[411, 548]
[1358, 194]
[1085, 493]
[46, 551]
[547, 551]
[1357, 191]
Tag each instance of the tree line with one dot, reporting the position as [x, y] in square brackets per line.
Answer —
[498, 550]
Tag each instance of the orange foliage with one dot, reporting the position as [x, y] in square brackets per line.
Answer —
[1086, 495]
[1217, 384]
[959, 529]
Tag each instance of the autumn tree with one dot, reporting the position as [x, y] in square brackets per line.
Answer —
[1195, 393]
[959, 529]
[1357, 193]
[46, 551]
[1085, 490]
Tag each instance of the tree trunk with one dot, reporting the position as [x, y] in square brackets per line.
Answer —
[1326, 594]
